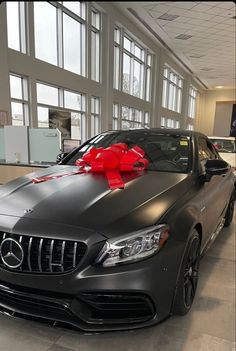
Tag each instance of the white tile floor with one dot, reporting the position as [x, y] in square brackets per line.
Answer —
[210, 325]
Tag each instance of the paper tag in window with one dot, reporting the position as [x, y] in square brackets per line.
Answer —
[183, 143]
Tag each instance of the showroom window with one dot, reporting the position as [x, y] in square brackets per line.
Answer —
[62, 109]
[95, 116]
[192, 98]
[172, 90]
[132, 66]
[169, 123]
[190, 126]
[19, 100]
[16, 25]
[125, 117]
[61, 36]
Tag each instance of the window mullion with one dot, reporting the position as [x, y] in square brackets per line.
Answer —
[60, 56]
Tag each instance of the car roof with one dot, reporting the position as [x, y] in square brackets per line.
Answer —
[182, 132]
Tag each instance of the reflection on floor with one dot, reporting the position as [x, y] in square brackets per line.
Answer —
[210, 325]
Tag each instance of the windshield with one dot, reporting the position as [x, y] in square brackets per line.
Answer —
[224, 145]
[165, 152]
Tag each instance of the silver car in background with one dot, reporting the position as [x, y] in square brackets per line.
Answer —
[226, 147]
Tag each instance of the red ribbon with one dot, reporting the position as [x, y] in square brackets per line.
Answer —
[112, 160]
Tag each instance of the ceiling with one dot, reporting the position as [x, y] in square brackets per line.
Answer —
[200, 35]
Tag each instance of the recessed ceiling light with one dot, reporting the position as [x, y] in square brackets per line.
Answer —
[168, 17]
[183, 36]
[219, 87]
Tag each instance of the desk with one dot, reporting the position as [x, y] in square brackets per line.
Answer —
[10, 171]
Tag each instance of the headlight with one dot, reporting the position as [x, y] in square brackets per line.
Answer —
[133, 247]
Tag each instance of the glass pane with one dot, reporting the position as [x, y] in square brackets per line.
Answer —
[45, 31]
[74, 44]
[126, 124]
[13, 25]
[179, 100]
[126, 73]
[117, 35]
[127, 44]
[95, 19]
[148, 84]
[17, 114]
[138, 52]
[146, 118]
[76, 7]
[163, 122]
[47, 95]
[137, 79]
[164, 93]
[75, 125]
[72, 100]
[116, 66]
[115, 124]
[166, 72]
[16, 87]
[115, 110]
[125, 112]
[43, 119]
[95, 56]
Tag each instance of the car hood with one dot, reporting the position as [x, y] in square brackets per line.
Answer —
[86, 201]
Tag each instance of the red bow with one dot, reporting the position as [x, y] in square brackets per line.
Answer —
[112, 160]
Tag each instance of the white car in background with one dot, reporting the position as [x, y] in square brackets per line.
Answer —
[226, 147]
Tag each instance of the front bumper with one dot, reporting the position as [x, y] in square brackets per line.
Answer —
[96, 298]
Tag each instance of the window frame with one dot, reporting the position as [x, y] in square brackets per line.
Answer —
[24, 101]
[145, 63]
[172, 85]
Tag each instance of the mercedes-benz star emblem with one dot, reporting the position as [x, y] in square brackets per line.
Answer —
[11, 253]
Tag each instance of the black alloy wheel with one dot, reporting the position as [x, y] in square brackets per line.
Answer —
[188, 277]
[191, 272]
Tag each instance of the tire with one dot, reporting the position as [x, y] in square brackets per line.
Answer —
[188, 276]
[230, 211]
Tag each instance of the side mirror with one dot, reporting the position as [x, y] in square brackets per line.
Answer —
[61, 156]
[216, 167]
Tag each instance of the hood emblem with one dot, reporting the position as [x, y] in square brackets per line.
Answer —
[11, 253]
[28, 210]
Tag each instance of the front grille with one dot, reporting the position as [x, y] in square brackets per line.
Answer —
[44, 255]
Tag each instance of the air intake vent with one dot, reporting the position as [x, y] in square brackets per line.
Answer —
[183, 36]
[39, 255]
[168, 17]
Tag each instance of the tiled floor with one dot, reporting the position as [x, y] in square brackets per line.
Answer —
[210, 325]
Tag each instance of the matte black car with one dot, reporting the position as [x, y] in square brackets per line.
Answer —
[73, 250]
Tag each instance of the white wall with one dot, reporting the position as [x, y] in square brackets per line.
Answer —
[207, 111]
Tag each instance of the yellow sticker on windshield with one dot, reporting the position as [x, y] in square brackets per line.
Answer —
[183, 143]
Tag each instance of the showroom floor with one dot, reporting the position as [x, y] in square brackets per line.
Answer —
[210, 326]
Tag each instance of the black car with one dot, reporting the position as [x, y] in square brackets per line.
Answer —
[74, 250]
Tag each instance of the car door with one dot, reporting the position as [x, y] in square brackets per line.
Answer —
[216, 191]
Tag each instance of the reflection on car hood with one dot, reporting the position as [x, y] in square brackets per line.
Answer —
[86, 201]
